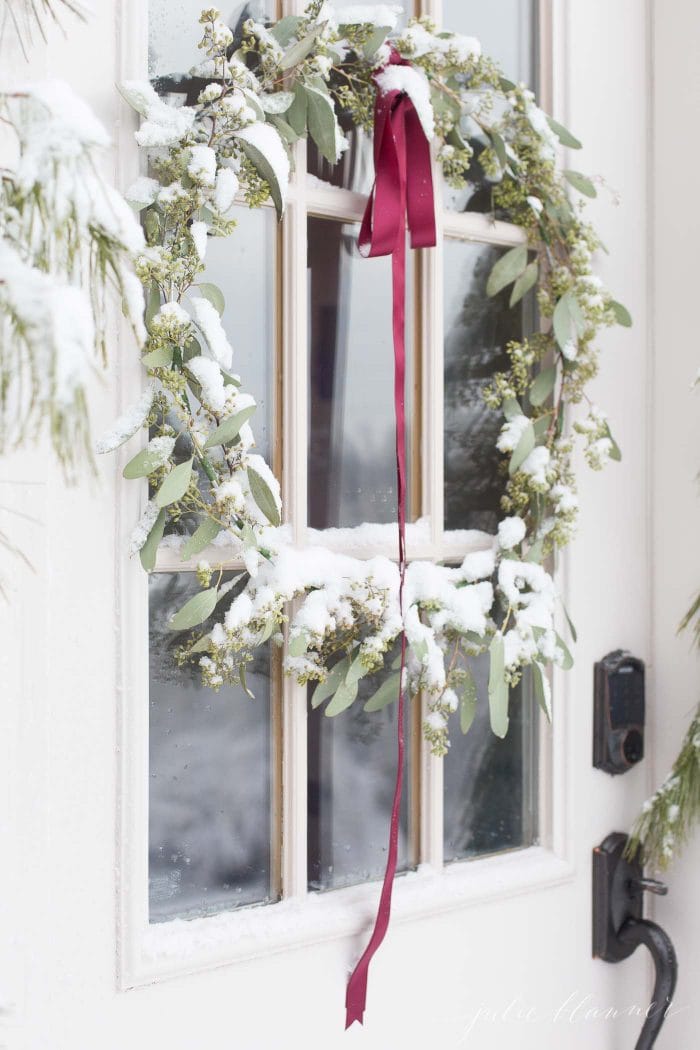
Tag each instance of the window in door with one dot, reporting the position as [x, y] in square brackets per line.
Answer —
[253, 801]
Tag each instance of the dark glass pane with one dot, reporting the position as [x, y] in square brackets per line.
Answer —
[508, 32]
[210, 773]
[490, 784]
[477, 330]
[352, 458]
[352, 772]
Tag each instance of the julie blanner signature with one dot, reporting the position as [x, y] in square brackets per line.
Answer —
[578, 1008]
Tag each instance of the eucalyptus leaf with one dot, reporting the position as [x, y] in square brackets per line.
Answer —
[511, 409]
[162, 357]
[254, 103]
[345, 695]
[230, 428]
[263, 497]
[563, 134]
[287, 132]
[507, 269]
[296, 114]
[175, 485]
[580, 182]
[375, 40]
[298, 51]
[244, 681]
[498, 687]
[285, 29]
[542, 386]
[202, 646]
[326, 688]
[356, 671]
[202, 536]
[322, 123]
[387, 693]
[526, 281]
[535, 552]
[622, 314]
[148, 552]
[467, 702]
[214, 295]
[263, 167]
[145, 462]
[539, 689]
[522, 449]
[570, 623]
[195, 611]
[615, 453]
[568, 660]
[298, 644]
[278, 102]
[562, 321]
[152, 304]
[499, 148]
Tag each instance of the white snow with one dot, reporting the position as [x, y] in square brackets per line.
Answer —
[198, 233]
[163, 125]
[413, 82]
[225, 190]
[142, 192]
[202, 164]
[384, 16]
[265, 139]
[210, 325]
[536, 465]
[511, 432]
[144, 526]
[208, 375]
[128, 423]
[511, 532]
[423, 42]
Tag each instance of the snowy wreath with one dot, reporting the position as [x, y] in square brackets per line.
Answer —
[260, 92]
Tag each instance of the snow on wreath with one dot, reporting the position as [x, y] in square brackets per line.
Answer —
[261, 91]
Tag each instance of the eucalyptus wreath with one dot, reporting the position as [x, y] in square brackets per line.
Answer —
[260, 92]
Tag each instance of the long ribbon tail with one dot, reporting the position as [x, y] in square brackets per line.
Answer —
[392, 128]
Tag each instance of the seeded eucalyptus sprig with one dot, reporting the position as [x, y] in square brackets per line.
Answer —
[307, 76]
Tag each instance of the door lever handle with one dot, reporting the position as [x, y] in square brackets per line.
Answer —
[619, 929]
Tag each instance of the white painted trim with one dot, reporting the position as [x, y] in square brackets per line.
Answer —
[150, 953]
[188, 946]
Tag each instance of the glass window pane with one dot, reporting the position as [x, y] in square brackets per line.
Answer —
[507, 30]
[243, 267]
[477, 330]
[174, 32]
[351, 778]
[490, 785]
[509, 33]
[210, 775]
[352, 457]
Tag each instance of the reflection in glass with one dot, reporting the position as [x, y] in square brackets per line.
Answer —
[352, 773]
[210, 772]
[352, 459]
[508, 32]
[174, 33]
[477, 330]
[490, 801]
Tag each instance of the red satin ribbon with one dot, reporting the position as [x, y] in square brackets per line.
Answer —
[403, 189]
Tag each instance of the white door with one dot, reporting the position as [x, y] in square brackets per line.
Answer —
[197, 870]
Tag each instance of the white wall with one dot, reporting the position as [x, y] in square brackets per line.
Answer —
[676, 451]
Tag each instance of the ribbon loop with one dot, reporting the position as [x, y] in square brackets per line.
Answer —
[403, 188]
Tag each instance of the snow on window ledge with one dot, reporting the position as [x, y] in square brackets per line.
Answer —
[184, 946]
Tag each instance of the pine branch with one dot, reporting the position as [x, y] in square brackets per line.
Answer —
[668, 817]
[27, 17]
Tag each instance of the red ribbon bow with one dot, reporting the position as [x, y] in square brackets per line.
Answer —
[403, 189]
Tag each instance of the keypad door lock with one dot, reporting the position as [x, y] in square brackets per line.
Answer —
[618, 725]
